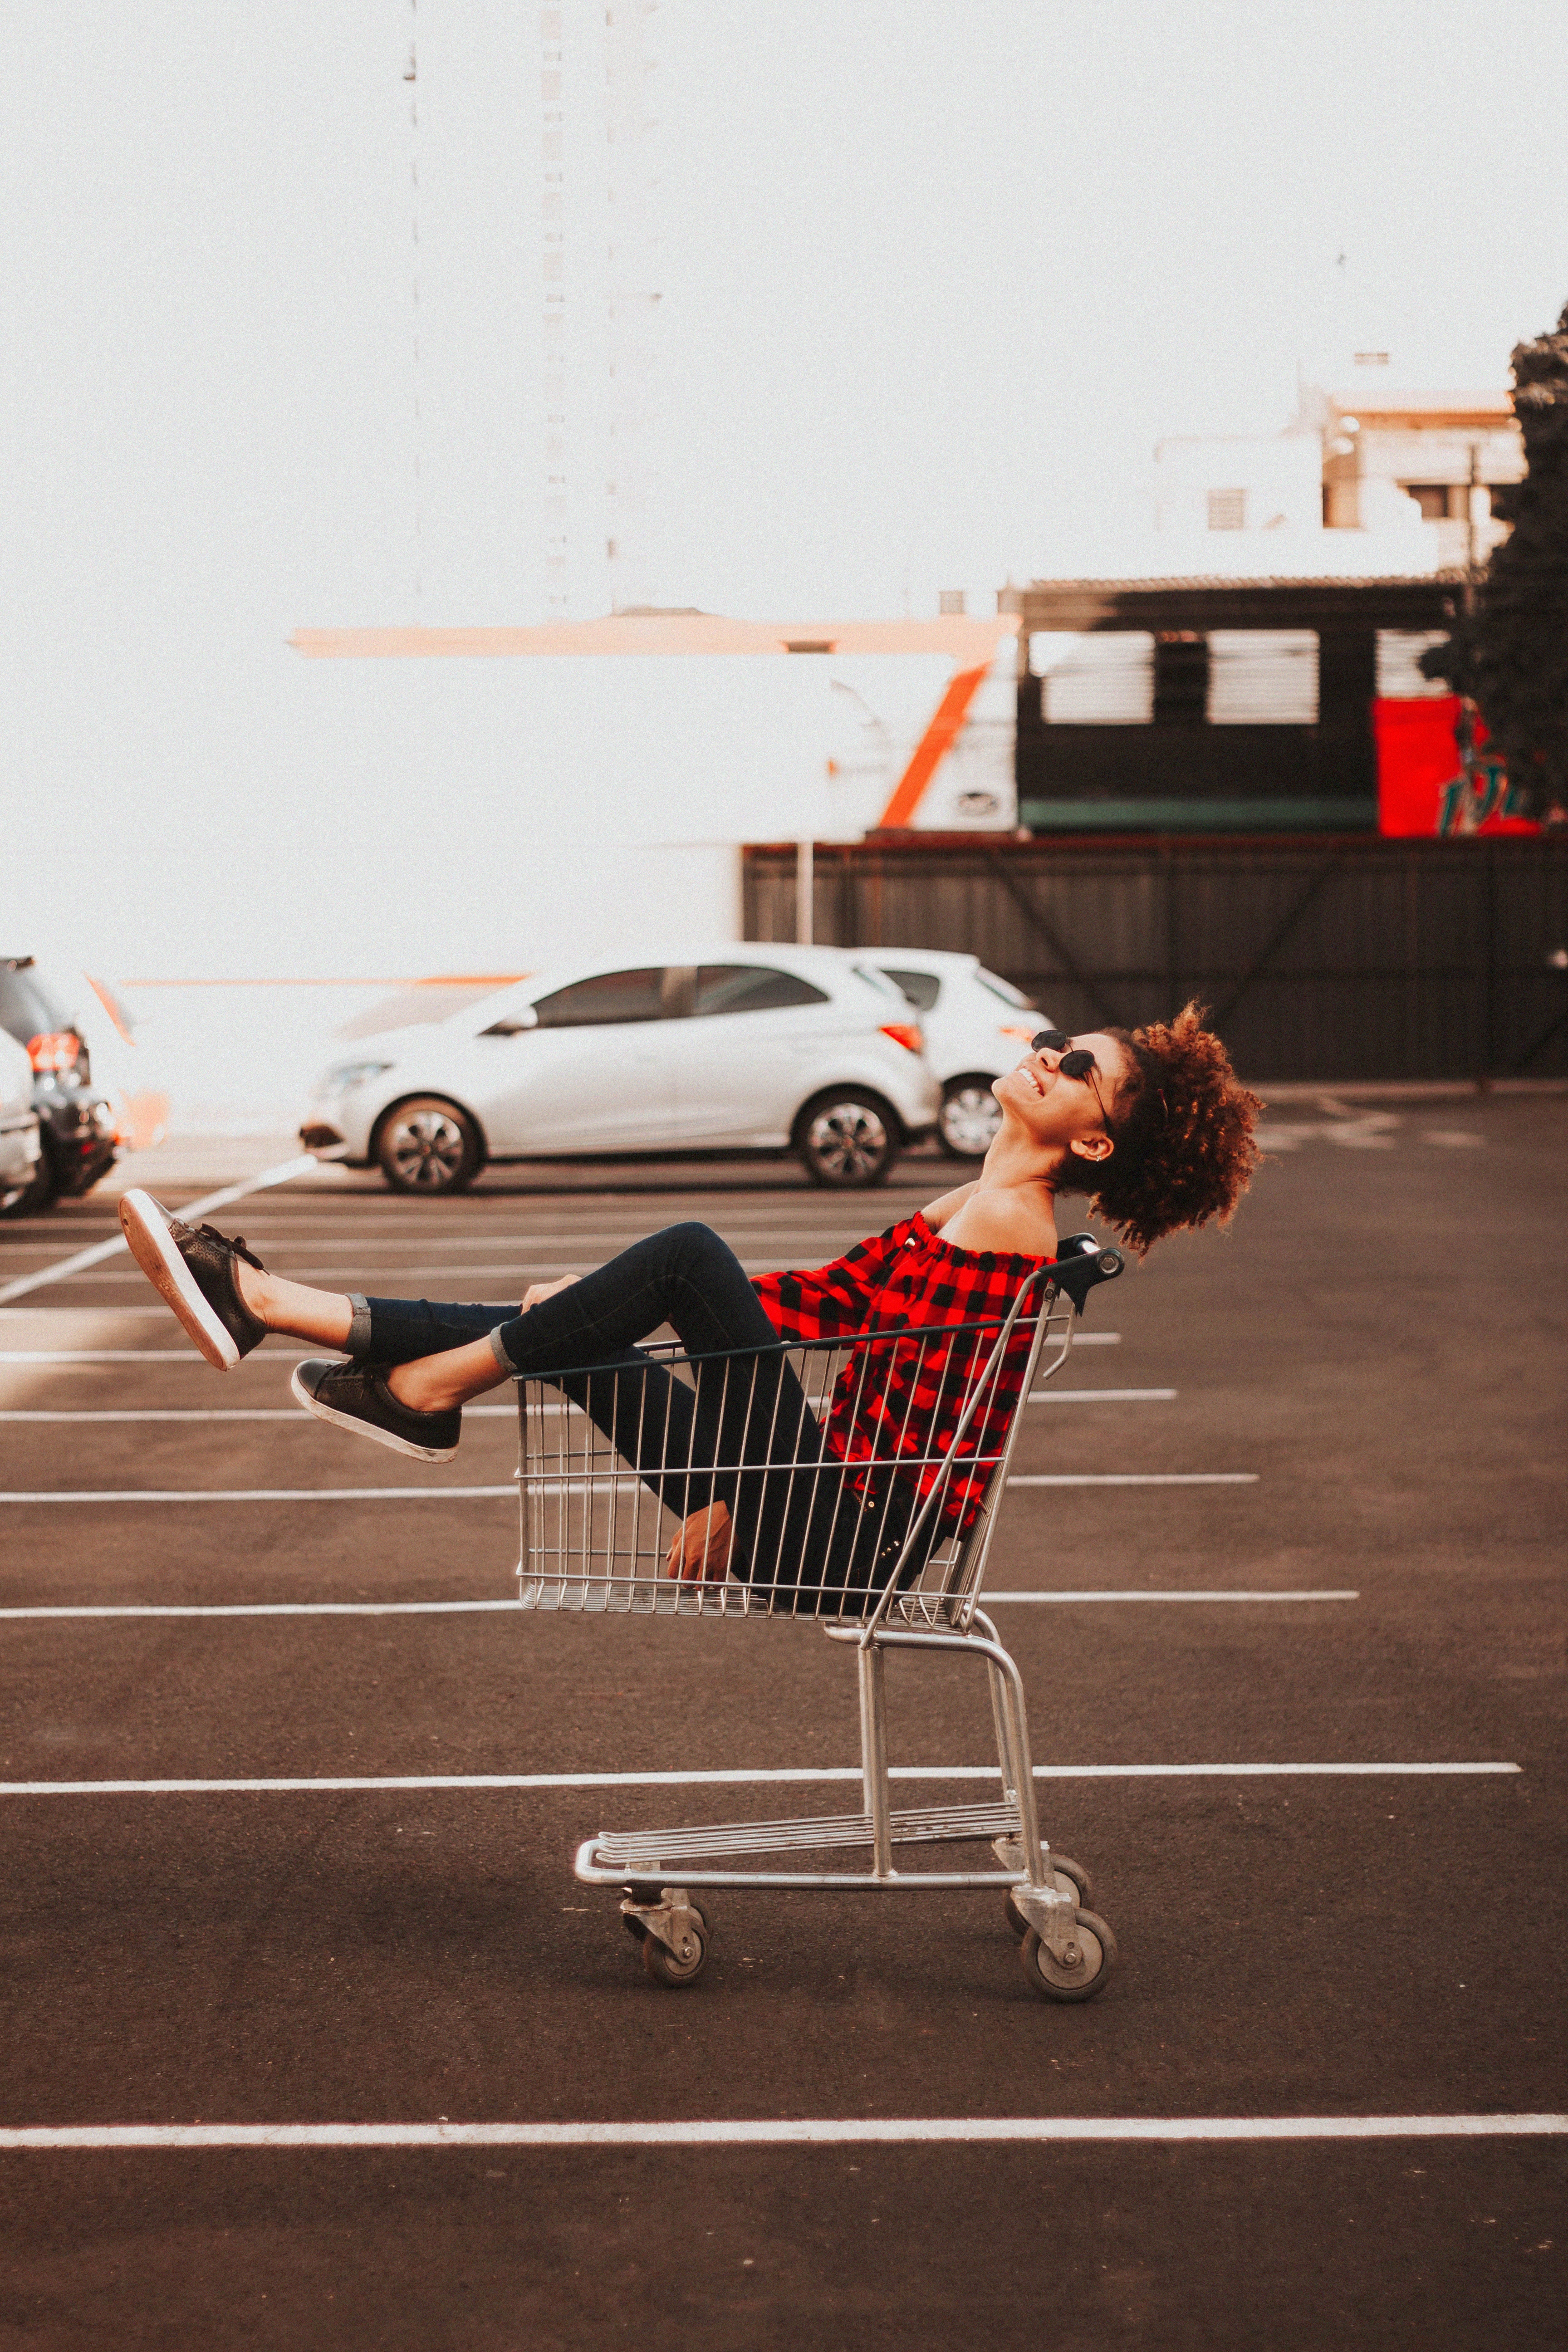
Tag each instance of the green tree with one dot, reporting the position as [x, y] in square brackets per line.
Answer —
[1508, 654]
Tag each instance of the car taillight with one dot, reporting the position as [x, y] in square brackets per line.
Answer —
[54, 1049]
[1010, 1029]
[905, 1033]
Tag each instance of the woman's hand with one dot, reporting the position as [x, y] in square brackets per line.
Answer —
[700, 1552]
[538, 1291]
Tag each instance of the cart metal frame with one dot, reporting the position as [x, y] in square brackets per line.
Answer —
[576, 1531]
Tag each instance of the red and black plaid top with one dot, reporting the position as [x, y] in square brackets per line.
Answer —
[901, 1404]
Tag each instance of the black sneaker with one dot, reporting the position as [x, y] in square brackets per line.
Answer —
[356, 1396]
[192, 1267]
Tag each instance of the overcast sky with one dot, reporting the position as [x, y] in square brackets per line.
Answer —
[936, 275]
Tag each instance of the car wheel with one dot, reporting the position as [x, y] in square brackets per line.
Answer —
[429, 1145]
[848, 1141]
[969, 1117]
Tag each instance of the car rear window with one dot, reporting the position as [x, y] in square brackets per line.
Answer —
[635, 995]
[751, 988]
[922, 988]
[28, 1005]
[1005, 991]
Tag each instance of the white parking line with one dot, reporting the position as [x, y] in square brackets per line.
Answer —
[294, 1413]
[991, 1599]
[1102, 1396]
[1137, 1478]
[467, 1607]
[793, 2131]
[218, 1413]
[327, 1785]
[282, 1174]
[144, 1355]
[264, 1494]
[489, 1494]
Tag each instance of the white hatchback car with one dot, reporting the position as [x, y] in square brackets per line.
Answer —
[732, 1048]
[976, 1025]
[20, 1145]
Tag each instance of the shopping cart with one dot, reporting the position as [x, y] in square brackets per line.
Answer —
[838, 1515]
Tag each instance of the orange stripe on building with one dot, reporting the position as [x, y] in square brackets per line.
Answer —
[933, 747]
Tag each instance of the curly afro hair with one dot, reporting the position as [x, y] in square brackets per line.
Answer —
[1183, 1133]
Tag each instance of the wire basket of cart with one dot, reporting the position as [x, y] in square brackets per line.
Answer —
[854, 1480]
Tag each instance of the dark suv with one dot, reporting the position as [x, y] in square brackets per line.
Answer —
[75, 1125]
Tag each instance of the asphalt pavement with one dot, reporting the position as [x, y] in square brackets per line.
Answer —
[1326, 1828]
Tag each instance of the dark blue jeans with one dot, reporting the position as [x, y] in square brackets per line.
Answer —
[794, 1524]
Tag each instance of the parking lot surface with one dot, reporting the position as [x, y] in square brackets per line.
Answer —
[1319, 1781]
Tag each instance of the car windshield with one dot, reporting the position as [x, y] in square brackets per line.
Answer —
[28, 1005]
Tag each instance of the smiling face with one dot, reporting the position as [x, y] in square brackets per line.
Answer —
[1059, 1113]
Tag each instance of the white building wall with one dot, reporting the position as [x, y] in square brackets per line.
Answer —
[1279, 475]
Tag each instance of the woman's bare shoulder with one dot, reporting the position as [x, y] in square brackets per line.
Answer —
[1004, 1220]
[937, 1213]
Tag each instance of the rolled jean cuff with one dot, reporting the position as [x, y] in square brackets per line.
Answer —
[358, 1341]
[499, 1351]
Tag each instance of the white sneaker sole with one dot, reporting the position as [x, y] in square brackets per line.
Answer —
[351, 1421]
[156, 1251]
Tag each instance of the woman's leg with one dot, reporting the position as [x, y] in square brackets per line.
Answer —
[293, 1308]
[695, 1444]
[748, 1407]
[684, 1275]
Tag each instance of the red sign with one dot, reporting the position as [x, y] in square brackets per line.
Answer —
[1427, 785]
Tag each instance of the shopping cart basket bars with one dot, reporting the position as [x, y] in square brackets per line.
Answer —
[858, 1474]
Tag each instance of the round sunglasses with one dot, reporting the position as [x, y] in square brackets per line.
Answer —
[1076, 1062]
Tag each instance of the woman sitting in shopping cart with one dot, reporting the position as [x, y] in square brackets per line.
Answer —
[1151, 1123]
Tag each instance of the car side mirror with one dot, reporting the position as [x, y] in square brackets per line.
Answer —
[511, 1024]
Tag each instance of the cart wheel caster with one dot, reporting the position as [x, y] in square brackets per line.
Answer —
[1068, 1878]
[1077, 1981]
[665, 1967]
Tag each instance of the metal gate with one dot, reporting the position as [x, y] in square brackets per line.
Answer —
[1321, 959]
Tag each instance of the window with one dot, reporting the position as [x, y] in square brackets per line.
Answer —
[608, 996]
[751, 988]
[1399, 675]
[1005, 991]
[948, 600]
[871, 976]
[1262, 678]
[922, 988]
[1227, 509]
[1104, 679]
[1437, 500]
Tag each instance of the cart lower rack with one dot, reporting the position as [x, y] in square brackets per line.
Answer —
[855, 1481]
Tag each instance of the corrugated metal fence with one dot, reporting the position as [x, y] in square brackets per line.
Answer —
[1322, 959]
